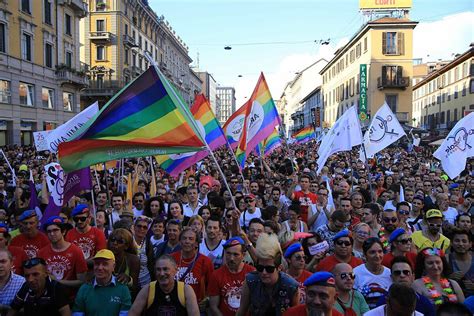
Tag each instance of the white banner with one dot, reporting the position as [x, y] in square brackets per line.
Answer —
[40, 140]
[383, 131]
[344, 135]
[64, 132]
[457, 147]
[55, 181]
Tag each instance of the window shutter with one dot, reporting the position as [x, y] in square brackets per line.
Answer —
[399, 72]
[384, 74]
[384, 43]
[401, 43]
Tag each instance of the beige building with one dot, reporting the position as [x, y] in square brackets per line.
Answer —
[40, 71]
[446, 94]
[385, 45]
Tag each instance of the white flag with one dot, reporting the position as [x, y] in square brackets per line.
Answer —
[344, 135]
[383, 131]
[50, 140]
[457, 147]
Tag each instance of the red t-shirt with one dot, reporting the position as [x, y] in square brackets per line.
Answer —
[306, 200]
[300, 310]
[199, 275]
[228, 286]
[388, 257]
[19, 255]
[30, 245]
[328, 263]
[64, 265]
[304, 275]
[89, 243]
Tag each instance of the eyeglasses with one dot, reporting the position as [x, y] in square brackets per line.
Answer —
[30, 263]
[400, 272]
[299, 257]
[343, 242]
[346, 275]
[117, 240]
[405, 241]
[390, 219]
[434, 225]
[79, 219]
[249, 201]
[402, 212]
[141, 226]
[269, 269]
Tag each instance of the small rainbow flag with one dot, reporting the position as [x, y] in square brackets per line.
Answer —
[261, 118]
[269, 144]
[304, 135]
[146, 118]
[209, 126]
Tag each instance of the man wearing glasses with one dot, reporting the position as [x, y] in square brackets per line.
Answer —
[88, 238]
[250, 213]
[389, 224]
[30, 239]
[40, 295]
[295, 257]
[347, 297]
[342, 253]
[431, 237]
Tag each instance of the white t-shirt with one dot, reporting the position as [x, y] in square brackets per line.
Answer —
[216, 255]
[155, 242]
[380, 311]
[372, 286]
[189, 211]
[246, 217]
[137, 213]
[321, 220]
[450, 215]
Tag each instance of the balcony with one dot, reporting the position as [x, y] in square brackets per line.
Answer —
[101, 36]
[135, 70]
[71, 76]
[395, 83]
[402, 117]
[105, 88]
[79, 7]
[129, 41]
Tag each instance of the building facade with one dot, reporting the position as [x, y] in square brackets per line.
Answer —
[227, 100]
[209, 89]
[310, 113]
[40, 70]
[121, 39]
[385, 45]
[446, 94]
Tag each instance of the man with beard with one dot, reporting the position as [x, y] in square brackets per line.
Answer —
[212, 244]
[335, 225]
[460, 260]
[278, 203]
[225, 284]
[320, 212]
[390, 223]
[138, 204]
[431, 237]
[347, 297]
[416, 212]
[192, 207]
[320, 297]
[166, 295]
[304, 196]
[30, 239]
[342, 253]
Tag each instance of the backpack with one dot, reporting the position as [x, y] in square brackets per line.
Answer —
[151, 294]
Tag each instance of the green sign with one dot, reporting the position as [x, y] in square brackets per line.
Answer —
[363, 92]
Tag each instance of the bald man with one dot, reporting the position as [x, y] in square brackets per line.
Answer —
[347, 297]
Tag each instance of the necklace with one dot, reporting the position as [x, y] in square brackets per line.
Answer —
[383, 238]
[436, 296]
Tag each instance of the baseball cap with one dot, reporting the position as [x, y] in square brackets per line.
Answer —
[104, 254]
[250, 196]
[433, 213]
[3, 228]
[23, 168]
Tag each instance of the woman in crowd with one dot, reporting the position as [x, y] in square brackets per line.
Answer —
[196, 222]
[175, 211]
[205, 212]
[154, 207]
[102, 222]
[357, 201]
[361, 234]
[145, 249]
[312, 259]
[400, 245]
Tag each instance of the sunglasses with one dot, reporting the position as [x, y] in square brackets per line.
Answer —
[249, 201]
[400, 272]
[79, 219]
[141, 226]
[346, 275]
[390, 219]
[402, 212]
[30, 263]
[117, 240]
[405, 241]
[343, 242]
[269, 269]
[434, 225]
[299, 257]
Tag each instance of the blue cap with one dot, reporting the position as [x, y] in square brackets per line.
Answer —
[342, 233]
[53, 220]
[233, 242]
[80, 209]
[395, 234]
[454, 186]
[321, 278]
[292, 249]
[27, 214]
[469, 303]
[3, 228]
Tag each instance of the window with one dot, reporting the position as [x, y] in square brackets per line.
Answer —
[47, 12]
[48, 55]
[126, 29]
[393, 43]
[25, 6]
[358, 50]
[471, 86]
[68, 103]
[47, 96]
[365, 44]
[464, 90]
[68, 24]
[464, 69]
[455, 115]
[391, 75]
[134, 60]
[3, 38]
[139, 41]
[140, 62]
[449, 95]
[69, 59]
[5, 92]
[26, 46]
[392, 100]
[27, 94]
[126, 53]
[100, 53]
[448, 117]
[455, 92]
[100, 81]
[100, 25]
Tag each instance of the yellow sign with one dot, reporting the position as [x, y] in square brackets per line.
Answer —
[385, 4]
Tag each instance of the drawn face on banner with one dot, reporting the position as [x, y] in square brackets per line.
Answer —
[202, 132]
[381, 128]
[255, 121]
[55, 180]
[234, 129]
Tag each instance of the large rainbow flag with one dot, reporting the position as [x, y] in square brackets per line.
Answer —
[269, 144]
[233, 126]
[261, 118]
[304, 135]
[146, 118]
[209, 127]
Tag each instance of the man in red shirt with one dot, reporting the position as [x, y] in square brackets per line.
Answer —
[194, 268]
[30, 239]
[342, 253]
[64, 260]
[295, 257]
[89, 239]
[320, 297]
[225, 284]
[305, 197]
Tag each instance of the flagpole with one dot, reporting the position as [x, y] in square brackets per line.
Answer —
[93, 207]
[107, 185]
[368, 172]
[237, 162]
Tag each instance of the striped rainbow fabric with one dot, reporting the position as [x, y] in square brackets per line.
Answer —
[261, 118]
[202, 112]
[304, 135]
[269, 144]
[233, 126]
[145, 118]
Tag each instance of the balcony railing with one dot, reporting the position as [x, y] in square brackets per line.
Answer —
[395, 83]
[103, 88]
[129, 41]
[72, 77]
[101, 36]
[402, 117]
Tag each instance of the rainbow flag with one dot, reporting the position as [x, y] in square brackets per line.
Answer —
[209, 126]
[233, 126]
[304, 135]
[261, 118]
[145, 118]
[269, 144]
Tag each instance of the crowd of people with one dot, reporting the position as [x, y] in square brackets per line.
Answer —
[392, 236]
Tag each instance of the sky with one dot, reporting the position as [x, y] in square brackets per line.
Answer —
[278, 36]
